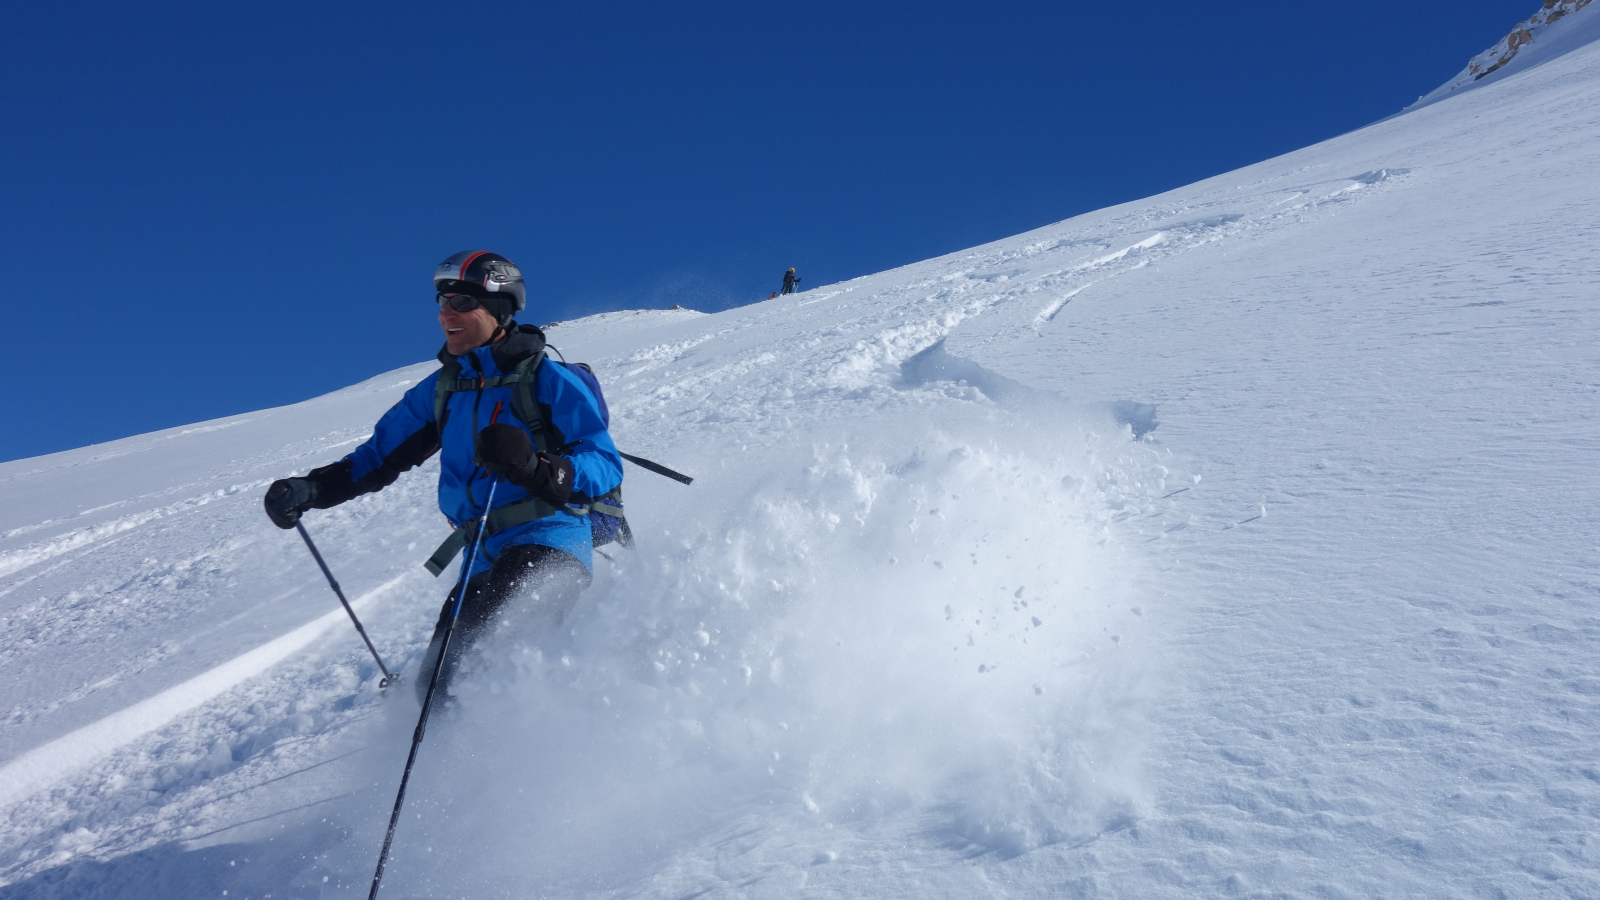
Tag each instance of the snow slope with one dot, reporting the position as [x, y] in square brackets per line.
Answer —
[949, 611]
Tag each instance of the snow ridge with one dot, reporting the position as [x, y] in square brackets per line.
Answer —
[1520, 46]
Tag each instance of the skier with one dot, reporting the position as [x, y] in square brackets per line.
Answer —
[537, 549]
[790, 280]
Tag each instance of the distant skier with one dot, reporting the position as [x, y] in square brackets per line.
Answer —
[790, 280]
[536, 554]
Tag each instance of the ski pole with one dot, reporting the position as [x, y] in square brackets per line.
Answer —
[656, 467]
[388, 678]
[433, 683]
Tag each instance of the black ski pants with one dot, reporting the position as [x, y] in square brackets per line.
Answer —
[528, 580]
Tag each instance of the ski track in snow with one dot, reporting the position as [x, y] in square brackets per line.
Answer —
[941, 615]
[43, 765]
[17, 560]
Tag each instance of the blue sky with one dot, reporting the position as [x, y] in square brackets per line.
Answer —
[211, 208]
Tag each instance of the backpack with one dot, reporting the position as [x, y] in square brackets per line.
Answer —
[606, 520]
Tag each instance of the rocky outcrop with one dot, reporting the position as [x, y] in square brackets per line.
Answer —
[1494, 58]
[1522, 39]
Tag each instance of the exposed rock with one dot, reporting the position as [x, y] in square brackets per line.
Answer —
[1520, 36]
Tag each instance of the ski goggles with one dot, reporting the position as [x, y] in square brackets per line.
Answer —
[459, 302]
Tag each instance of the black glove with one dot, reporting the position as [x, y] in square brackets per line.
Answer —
[287, 498]
[506, 451]
[551, 480]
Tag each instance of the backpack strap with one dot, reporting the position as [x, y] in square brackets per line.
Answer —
[508, 516]
[442, 389]
[608, 504]
[525, 404]
[524, 380]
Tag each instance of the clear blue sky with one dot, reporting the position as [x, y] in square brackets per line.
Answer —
[211, 208]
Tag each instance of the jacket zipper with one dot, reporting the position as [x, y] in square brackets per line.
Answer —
[477, 398]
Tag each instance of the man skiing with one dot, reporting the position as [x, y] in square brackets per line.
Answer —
[790, 280]
[535, 548]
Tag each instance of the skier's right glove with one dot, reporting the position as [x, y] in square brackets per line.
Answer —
[287, 498]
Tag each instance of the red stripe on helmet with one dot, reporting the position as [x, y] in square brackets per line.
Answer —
[467, 262]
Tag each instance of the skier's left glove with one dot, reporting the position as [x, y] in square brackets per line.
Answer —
[506, 451]
[287, 498]
[551, 480]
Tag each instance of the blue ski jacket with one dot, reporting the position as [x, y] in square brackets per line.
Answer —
[408, 435]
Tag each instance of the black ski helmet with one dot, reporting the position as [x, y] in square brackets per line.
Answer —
[487, 276]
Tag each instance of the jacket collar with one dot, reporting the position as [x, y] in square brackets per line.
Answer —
[521, 342]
